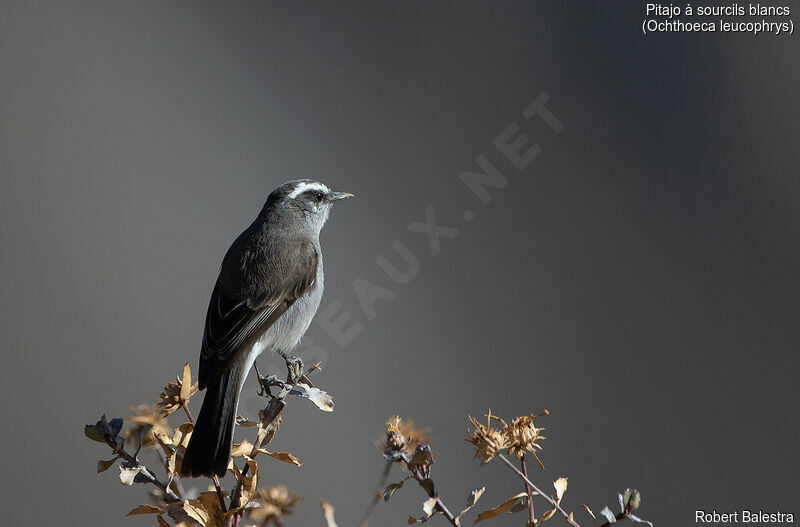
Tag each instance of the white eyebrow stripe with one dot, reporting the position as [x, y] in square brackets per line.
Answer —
[303, 187]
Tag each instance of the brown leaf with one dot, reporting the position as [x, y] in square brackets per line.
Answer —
[546, 516]
[175, 448]
[428, 508]
[186, 383]
[197, 511]
[245, 448]
[500, 509]
[286, 457]
[162, 522]
[249, 485]
[147, 509]
[561, 487]
[327, 511]
[267, 426]
[471, 500]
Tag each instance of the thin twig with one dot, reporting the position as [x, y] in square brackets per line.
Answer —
[215, 479]
[275, 408]
[531, 513]
[537, 489]
[440, 506]
[378, 494]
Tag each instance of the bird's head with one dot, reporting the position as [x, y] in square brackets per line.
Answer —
[305, 198]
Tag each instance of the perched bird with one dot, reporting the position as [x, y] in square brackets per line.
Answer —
[268, 290]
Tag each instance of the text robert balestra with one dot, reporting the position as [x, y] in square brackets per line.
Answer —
[743, 516]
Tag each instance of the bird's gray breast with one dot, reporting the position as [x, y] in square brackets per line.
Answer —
[287, 331]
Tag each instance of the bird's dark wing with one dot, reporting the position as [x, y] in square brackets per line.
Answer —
[238, 315]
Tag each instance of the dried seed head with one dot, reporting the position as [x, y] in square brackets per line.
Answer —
[488, 441]
[395, 440]
[273, 503]
[403, 435]
[177, 393]
[143, 416]
[522, 436]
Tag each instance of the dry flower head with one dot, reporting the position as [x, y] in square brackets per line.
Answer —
[177, 393]
[488, 441]
[403, 435]
[272, 504]
[144, 416]
[522, 436]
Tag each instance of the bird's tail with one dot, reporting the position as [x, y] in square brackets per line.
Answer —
[210, 445]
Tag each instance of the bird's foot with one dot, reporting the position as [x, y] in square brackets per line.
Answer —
[264, 383]
[295, 366]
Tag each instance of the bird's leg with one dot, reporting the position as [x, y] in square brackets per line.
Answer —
[264, 382]
[295, 366]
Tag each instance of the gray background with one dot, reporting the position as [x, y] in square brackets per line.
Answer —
[638, 278]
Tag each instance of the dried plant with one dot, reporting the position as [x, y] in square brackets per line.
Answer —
[496, 439]
[402, 444]
[148, 431]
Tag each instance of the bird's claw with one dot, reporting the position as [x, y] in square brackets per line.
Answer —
[295, 366]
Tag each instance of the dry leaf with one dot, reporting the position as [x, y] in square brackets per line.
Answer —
[127, 475]
[245, 448]
[197, 512]
[610, 516]
[587, 509]
[471, 500]
[186, 383]
[147, 509]
[500, 509]
[249, 484]
[320, 398]
[267, 426]
[327, 511]
[429, 508]
[561, 487]
[546, 516]
[286, 457]
[162, 522]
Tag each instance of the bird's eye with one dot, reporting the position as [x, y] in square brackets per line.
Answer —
[318, 196]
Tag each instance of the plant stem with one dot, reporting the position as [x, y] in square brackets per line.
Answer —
[537, 489]
[531, 513]
[378, 494]
[271, 412]
[215, 479]
[440, 506]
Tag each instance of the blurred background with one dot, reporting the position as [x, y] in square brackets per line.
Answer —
[638, 278]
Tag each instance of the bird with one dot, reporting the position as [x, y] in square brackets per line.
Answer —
[266, 295]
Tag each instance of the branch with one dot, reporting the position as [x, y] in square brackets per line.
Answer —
[537, 489]
[440, 506]
[531, 512]
[377, 496]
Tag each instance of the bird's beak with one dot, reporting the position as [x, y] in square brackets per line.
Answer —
[336, 196]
